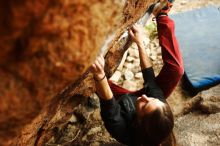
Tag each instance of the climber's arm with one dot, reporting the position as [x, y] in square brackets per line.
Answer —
[144, 59]
[135, 33]
[102, 86]
[146, 65]
[110, 109]
[103, 89]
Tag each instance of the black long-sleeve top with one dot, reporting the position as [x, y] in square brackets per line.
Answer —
[118, 115]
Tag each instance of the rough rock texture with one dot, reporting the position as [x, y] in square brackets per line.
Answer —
[201, 125]
[46, 45]
[197, 129]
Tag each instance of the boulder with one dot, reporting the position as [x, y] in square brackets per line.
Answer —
[128, 75]
[139, 75]
[128, 65]
[133, 52]
[130, 59]
[47, 47]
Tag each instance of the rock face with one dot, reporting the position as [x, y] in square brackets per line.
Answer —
[46, 47]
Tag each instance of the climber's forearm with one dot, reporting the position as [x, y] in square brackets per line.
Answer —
[144, 59]
[103, 90]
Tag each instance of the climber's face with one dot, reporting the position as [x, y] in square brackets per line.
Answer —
[146, 105]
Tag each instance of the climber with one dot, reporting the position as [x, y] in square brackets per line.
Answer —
[143, 117]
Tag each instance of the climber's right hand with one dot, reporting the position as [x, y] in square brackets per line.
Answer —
[136, 34]
[98, 68]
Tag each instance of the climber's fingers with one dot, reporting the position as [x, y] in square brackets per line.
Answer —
[94, 69]
[131, 33]
[136, 28]
[102, 58]
[101, 61]
[98, 66]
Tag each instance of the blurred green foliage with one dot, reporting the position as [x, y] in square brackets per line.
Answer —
[152, 30]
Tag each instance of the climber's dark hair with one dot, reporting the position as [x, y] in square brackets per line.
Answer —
[155, 127]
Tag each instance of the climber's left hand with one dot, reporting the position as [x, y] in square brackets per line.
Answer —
[98, 68]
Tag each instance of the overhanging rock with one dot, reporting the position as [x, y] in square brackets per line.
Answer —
[47, 46]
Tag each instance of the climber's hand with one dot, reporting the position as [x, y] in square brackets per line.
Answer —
[136, 35]
[98, 68]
